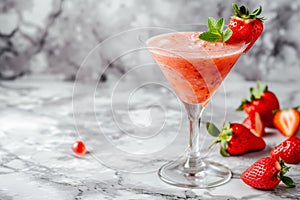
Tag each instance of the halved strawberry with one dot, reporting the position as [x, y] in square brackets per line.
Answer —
[254, 123]
[287, 121]
[266, 173]
[245, 26]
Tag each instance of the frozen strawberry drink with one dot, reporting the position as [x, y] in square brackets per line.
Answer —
[195, 68]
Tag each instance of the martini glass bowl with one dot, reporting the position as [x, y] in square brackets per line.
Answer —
[195, 69]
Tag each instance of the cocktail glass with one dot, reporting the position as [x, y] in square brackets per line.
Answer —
[194, 69]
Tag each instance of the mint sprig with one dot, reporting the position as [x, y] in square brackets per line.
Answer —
[215, 32]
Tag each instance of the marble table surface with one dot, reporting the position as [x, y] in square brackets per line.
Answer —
[129, 135]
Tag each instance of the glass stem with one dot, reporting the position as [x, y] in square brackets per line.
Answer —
[194, 114]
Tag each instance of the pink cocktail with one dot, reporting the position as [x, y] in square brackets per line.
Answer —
[195, 69]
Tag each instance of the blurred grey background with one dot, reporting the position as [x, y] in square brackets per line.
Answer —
[54, 36]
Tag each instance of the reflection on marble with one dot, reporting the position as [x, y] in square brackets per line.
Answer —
[38, 127]
[54, 36]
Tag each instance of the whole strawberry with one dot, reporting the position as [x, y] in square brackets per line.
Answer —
[288, 150]
[245, 26]
[266, 173]
[262, 101]
[235, 139]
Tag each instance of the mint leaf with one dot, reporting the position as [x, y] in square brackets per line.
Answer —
[215, 31]
[226, 34]
[211, 24]
[220, 25]
[210, 36]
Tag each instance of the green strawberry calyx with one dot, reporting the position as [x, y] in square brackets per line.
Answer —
[244, 13]
[255, 93]
[222, 137]
[283, 170]
[215, 32]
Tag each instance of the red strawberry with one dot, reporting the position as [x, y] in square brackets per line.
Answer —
[262, 101]
[254, 123]
[287, 121]
[245, 27]
[288, 150]
[266, 174]
[235, 139]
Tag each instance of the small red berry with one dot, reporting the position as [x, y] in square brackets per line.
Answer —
[79, 148]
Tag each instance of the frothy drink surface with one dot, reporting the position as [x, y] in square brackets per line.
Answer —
[195, 68]
[188, 44]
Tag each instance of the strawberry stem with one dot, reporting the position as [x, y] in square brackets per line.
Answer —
[257, 11]
[256, 93]
[285, 179]
[241, 106]
[223, 137]
[243, 12]
[296, 108]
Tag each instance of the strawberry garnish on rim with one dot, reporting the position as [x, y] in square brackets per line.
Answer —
[245, 26]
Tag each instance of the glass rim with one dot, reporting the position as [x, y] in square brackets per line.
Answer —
[173, 30]
[229, 47]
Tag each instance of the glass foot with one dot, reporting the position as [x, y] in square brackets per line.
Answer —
[204, 174]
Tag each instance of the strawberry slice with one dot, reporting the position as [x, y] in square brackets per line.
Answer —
[266, 173]
[287, 121]
[254, 123]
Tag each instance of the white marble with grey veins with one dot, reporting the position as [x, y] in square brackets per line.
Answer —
[38, 125]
